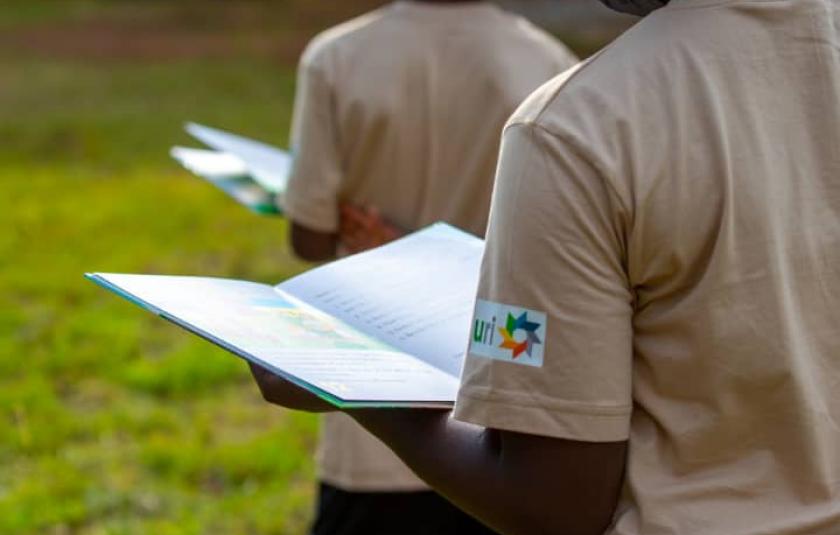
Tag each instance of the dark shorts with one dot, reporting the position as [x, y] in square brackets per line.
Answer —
[390, 513]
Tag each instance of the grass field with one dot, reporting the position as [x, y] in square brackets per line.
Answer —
[112, 421]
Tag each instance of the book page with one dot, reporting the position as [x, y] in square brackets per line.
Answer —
[416, 294]
[209, 163]
[268, 165]
[288, 337]
[228, 173]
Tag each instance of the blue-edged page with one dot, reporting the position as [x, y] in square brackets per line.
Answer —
[383, 328]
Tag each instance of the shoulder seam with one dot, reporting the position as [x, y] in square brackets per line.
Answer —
[557, 93]
[332, 37]
[581, 153]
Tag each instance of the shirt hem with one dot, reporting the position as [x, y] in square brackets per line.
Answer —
[557, 419]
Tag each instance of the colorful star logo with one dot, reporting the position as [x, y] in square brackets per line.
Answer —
[515, 324]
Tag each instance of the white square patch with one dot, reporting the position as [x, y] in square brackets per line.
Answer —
[509, 333]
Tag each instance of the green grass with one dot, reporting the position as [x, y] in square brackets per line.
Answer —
[111, 420]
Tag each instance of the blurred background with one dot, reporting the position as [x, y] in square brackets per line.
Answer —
[112, 421]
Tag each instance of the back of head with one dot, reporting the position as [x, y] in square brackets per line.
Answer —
[635, 7]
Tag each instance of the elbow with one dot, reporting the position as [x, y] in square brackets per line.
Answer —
[312, 246]
[304, 253]
[575, 486]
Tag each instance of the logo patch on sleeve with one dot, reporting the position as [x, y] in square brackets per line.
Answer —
[509, 333]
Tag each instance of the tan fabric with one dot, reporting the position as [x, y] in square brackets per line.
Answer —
[673, 207]
[403, 109]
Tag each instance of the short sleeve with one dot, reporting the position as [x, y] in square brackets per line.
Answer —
[311, 198]
[551, 341]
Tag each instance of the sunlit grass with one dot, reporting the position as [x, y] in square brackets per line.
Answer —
[111, 420]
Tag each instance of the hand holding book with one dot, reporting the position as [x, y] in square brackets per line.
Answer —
[279, 391]
[363, 228]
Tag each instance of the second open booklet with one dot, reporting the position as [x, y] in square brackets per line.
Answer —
[255, 174]
[387, 327]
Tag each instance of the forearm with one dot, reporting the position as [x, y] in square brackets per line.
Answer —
[483, 472]
[518, 484]
[452, 457]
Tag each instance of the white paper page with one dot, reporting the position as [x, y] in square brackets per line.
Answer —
[268, 165]
[228, 173]
[416, 294]
[209, 163]
[290, 338]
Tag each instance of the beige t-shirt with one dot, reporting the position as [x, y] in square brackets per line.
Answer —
[663, 265]
[403, 109]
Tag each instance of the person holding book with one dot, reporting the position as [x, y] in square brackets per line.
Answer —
[669, 214]
[397, 125]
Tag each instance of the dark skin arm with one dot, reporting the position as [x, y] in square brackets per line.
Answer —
[361, 228]
[312, 245]
[516, 483]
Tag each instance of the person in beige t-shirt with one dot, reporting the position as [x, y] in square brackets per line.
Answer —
[400, 111]
[662, 275]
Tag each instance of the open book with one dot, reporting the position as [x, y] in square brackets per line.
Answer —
[253, 173]
[388, 327]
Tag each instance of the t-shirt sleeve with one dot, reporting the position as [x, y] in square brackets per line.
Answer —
[550, 348]
[311, 198]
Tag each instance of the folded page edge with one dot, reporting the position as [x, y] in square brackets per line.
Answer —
[103, 282]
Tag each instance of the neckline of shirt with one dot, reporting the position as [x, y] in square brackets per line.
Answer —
[443, 11]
